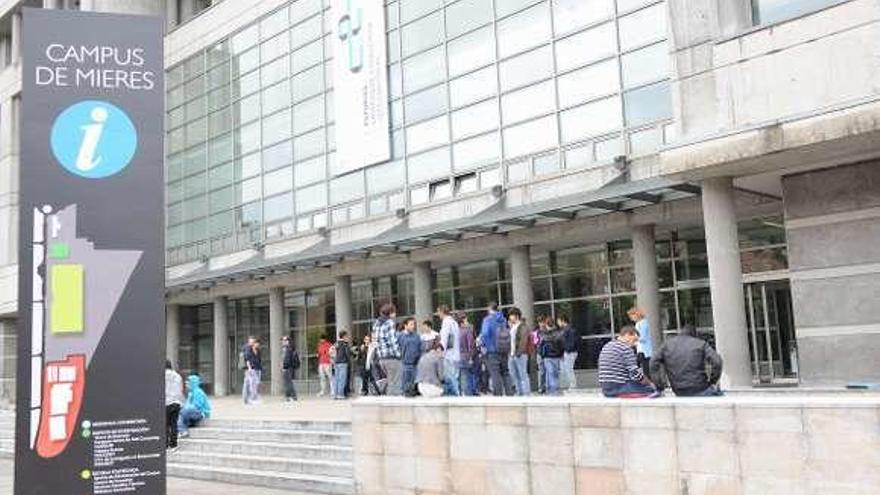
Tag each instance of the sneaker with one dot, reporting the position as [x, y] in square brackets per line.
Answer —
[656, 395]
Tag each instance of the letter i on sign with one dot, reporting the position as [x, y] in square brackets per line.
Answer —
[86, 160]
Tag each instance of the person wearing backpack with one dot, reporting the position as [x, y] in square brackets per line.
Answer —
[289, 364]
[552, 350]
[341, 362]
[450, 339]
[495, 337]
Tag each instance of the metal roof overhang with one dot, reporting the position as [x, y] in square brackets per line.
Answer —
[498, 219]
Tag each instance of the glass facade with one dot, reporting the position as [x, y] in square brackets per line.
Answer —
[772, 11]
[481, 92]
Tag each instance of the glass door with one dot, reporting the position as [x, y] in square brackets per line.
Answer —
[772, 341]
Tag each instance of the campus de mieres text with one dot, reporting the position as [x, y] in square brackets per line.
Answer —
[123, 71]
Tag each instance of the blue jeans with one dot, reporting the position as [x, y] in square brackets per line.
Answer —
[519, 370]
[552, 367]
[340, 378]
[250, 390]
[189, 416]
[451, 377]
[467, 380]
[408, 377]
[612, 390]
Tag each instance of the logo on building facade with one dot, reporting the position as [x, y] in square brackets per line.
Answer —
[93, 139]
[349, 29]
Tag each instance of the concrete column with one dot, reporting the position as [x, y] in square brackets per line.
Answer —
[4, 52]
[172, 334]
[16, 37]
[221, 348]
[521, 281]
[171, 13]
[277, 329]
[52, 4]
[647, 286]
[726, 281]
[422, 291]
[137, 7]
[343, 304]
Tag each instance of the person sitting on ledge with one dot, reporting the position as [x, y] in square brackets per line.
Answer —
[683, 361]
[619, 372]
[430, 371]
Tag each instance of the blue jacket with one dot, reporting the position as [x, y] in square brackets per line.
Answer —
[196, 397]
[489, 331]
[410, 347]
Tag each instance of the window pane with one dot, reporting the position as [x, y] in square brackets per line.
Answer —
[646, 65]
[276, 127]
[526, 68]
[277, 181]
[471, 51]
[644, 142]
[278, 207]
[524, 30]
[247, 138]
[591, 119]
[411, 9]
[770, 11]
[529, 102]
[275, 71]
[303, 9]
[424, 70]
[428, 165]
[305, 32]
[423, 34]
[248, 190]
[590, 82]
[427, 134]
[643, 26]
[466, 15]
[308, 145]
[648, 104]
[245, 39]
[582, 48]
[274, 48]
[308, 114]
[506, 7]
[308, 83]
[222, 199]
[309, 171]
[347, 188]
[246, 110]
[473, 87]
[273, 24]
[246, 62]
[278, 156]
[475, 119]
[276, 97]
[531, 137]
[426, 104]
[306, 56]
[311, 198]
[386, 177]
[476, 151]
[569, 15]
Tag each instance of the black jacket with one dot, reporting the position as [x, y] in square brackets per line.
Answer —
[343, 352]
[290, 358]
[689, 364]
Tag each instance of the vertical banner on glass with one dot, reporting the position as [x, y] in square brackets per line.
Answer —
[90, 409]
[360, 84]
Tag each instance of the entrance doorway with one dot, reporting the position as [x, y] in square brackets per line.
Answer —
[772, 341]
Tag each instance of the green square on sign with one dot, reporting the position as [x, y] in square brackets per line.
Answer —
[59, 250]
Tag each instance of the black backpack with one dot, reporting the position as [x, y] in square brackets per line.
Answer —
[294, 358]
[502, 339]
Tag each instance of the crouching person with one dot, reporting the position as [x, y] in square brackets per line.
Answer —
[689, 364]
[429, 375]
[196, 409]
[619, 372]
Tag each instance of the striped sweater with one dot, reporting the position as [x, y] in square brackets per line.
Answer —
[618, 365]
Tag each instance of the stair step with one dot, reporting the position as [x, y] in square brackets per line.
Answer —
[265, 479]
[310, 466]
[268, 449]
[282, 425]
[314, 437]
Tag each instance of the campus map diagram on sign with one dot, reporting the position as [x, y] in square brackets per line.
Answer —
[76, 289]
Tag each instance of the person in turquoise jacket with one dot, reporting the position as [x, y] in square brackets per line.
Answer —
[197, 407]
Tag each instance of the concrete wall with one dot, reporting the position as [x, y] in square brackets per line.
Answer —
[594, 446]
[833, 223]
[8, 351]
[742, 93]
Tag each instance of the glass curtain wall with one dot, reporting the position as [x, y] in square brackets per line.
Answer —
[245, 317]
[196, 351]
[311, 315]
[369, 295]
[482, 92]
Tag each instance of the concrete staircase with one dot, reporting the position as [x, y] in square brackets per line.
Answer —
[7, 434]
[302, 456]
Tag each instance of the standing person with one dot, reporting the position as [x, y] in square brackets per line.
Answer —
[341, 364]
[388, 348]
[569, 380]
[196, 408]
[173, 403]
[467, 352]
[519, 351]
[428, 335]
[552, 350]
[450, 339]
[289, 364]
[253, 362]
[690, 364]
[495, 337]
[361, 358]
[325, 367]
[430, 371]
[410, 352]
[539, 356]
[645, 346]
[619, 372]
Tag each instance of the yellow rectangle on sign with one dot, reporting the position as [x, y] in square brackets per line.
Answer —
[66, 299]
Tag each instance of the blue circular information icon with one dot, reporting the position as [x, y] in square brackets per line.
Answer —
[93, 139]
